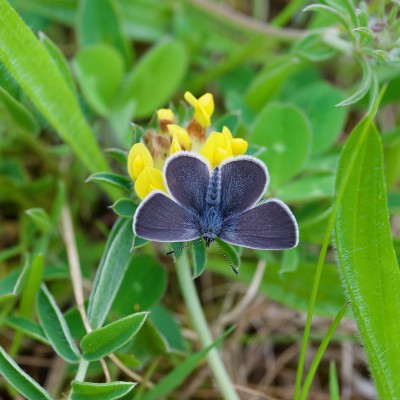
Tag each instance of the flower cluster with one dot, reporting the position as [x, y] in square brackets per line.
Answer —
[146, 158]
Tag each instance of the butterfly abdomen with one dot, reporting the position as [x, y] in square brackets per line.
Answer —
[211, 220]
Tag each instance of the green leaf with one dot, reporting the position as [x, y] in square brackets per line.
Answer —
[19, 379]
[103, 341]
[99, 70]
[165, 323]
[338, 15]
[14, 282]
[199, 258]
[13, 112]
[110, 178]
[312, 47]
[55, 327]
[285, 131]
[290, 261]
[309, 188]
[367, 34]
[138, 242]
[268, 82]
[28, 327]
[100, 23]
[33, 280]
[365, 84]
[318, 101]
[103, 391]
[41, 218]
[180, 373]
[293, 288]
[145, 281]
[124, 208]
[370, 272]
[28, 61]
[60, 60]
[155, 78]
[110, 274]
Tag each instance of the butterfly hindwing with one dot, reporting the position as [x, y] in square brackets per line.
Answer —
[161, 219]
[268, 226]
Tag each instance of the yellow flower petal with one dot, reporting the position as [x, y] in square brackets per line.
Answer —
[181, 134]
[148, 180]
[227, 132]
[217, 148]
[139, 158]
[203, 107]
[165, 114]
[175, 146]
[239, 146]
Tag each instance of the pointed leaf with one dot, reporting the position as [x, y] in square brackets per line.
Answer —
[109, 178]
[41, 218]
[124, 208]
[113, 265]
[55, 327]
[19, 379]
[103, 391]
[199, 257]
[103, 341]
[28, 327]
[370, 272]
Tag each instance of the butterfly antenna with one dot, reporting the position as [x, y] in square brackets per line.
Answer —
[227, 259]
[182, 247]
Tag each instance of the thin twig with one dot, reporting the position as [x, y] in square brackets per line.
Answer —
[68, 235]
[229, 15]
[128, 372]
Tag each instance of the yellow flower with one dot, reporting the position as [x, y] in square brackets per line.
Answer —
[175, 146]
[139, 158]
[165, 114]
[239, 146]
[181, 135]
[217, 148]
[222, 145]
[203, 107]
[148, 180]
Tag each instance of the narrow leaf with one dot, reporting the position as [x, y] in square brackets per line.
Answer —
[28, 61]
[14, 282]
[111, 272]
[20, 380]
[124, 207]
[103, 341]
[333, 382]
[28, 327]
[41, 218]
[103, 391]
[55, 327]
[369, 268]
[199, 257]
[109, 178]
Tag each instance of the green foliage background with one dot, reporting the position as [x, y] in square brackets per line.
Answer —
[315, 93]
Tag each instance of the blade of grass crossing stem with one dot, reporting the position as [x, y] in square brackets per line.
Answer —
[179, 374]
[28, 61]
[320, 353]
[369, 268]
[20, 380]
[365, 124]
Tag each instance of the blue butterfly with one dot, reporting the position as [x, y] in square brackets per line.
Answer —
[221, 202]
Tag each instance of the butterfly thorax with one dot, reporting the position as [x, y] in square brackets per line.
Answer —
[211, 219]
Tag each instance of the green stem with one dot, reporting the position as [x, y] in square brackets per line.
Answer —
[320, 353]
[81, 373]
[183, 271]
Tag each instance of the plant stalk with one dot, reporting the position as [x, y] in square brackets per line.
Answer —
[192, 301]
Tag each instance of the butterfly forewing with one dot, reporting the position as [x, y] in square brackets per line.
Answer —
[161, 219]
[243, 181]
[187, 178]
[268, 226]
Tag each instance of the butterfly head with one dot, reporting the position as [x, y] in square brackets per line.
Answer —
[209, 238]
